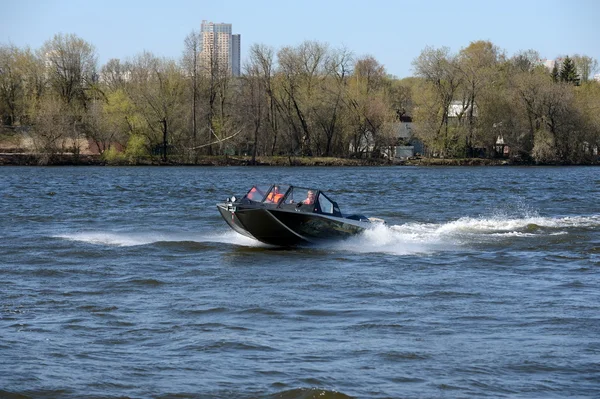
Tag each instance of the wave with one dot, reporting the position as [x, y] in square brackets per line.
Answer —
[130, 239]
[402, 239]
[426, 238]
[308, 393]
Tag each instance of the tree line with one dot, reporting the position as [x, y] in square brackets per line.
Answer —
[304, 100]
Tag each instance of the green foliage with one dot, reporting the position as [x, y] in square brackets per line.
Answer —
[137, 149]
[113, 157]
[555, 75]
[135, 152]
[568, 72]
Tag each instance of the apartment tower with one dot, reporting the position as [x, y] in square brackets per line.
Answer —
[220, 49]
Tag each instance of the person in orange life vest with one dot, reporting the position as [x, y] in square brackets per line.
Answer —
[275, 195]
[310, 198]
[253, 194]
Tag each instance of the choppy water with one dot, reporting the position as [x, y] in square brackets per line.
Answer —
[125, 282]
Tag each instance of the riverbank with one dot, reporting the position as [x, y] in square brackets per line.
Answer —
[29, 159]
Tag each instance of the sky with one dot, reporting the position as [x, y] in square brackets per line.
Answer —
[393, 32]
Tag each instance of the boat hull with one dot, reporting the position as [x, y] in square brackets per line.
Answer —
[287, 228]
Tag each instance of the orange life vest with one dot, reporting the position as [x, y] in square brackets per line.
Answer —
[275, 197]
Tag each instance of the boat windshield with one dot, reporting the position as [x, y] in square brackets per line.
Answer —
[258, 193]
[302, 199]
[307, 196]
[276, 194]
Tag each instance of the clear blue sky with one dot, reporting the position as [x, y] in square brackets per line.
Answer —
[394, 32]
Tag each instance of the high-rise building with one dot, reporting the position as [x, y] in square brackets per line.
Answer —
[220, 49]
[236, 42]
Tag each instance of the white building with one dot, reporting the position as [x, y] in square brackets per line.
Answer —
[458, 109]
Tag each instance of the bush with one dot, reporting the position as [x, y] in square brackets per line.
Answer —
[136, 149]
[113, 157]
[543, 147]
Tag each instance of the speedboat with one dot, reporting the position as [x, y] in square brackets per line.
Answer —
[285, 215]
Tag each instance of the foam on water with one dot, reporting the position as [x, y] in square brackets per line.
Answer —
[424, 238]
[403, 239]
[129, 239]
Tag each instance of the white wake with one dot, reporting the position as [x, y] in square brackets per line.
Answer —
[424, 238]
[129, 239]
[402, 239]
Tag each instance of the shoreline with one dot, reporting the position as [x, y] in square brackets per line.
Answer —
[30, 159]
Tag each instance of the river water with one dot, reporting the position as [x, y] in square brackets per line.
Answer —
[126, 282]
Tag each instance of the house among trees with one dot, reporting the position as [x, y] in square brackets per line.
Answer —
[408, 145]
[502, 150]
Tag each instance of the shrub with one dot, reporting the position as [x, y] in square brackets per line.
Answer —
[136, 149]
[113, 157]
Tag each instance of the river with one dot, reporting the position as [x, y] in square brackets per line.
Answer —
[126, 282]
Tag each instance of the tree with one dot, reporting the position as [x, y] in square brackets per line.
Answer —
[477, 64]
[525, 61]
[587, 103]
[554, 125]
[214, 85]
[190, 61]
[499, 118]
[527, 87]
[329, 99]
[119, 121]
[156, 90]
[71, 67]
[401, 96]
[442, 76]
[11, 85]
[369, 114]
[586, 66]
[114, 74]
[254, 102]
[555, 74]
[70, 73]
[300, 68]
[53, 130]
[21, 85]
[263, 64]
[568, 72]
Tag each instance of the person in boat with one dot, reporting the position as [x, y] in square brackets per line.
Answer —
[275, 196]
[254, 195]
[310, 198]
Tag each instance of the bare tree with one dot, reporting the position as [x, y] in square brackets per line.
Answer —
[114, 74]
[254, 103]
[11, 85]
[263, 64]
[157, 90]
[330, 99]
[586, 66]
[368, 112]
[439, 69]
[477, 65]
[300, 68]
[71, 67]
[191, 64]
[525, 61]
